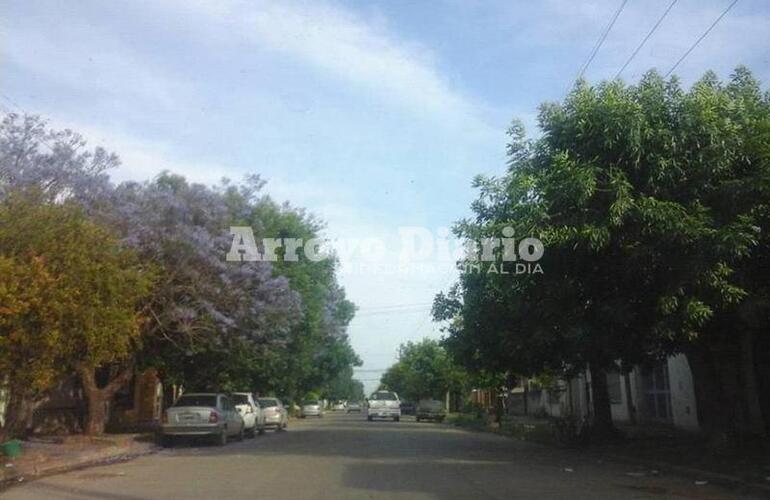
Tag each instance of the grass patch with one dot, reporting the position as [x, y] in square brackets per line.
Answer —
[524, 429]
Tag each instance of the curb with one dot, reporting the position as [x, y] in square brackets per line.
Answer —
[87, 464]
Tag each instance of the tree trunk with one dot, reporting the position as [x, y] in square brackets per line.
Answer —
[762, 365]
[602, 426]
[98, 398]
[18, 416]
[708, 391]
[19, 411]
[525, 383]
[630, 407]
[754, 422]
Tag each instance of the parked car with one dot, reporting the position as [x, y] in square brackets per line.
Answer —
[253, 417]
[276, 416]
[312, 408]
[338, 406]
[430, 409]
[202, 415]
[383, 404]
[354, 407]
[407, 408]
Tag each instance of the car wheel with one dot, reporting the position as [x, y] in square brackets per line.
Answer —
[252, 433]
[221, 440]
[262, 430]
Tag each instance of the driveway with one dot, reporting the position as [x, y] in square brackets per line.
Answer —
[344, 456]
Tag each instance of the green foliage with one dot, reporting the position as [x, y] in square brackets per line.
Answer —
[210, 324]
[317, 355]
[70, 293]
[649, 200]
[424, 370]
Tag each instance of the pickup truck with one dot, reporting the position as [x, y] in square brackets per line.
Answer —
[383, 404]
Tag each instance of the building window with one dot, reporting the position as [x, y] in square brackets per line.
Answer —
[613, 388]
[657, 392]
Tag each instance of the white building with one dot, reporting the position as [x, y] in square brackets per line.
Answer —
[661, 394]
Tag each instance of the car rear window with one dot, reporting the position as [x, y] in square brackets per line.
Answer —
[239, 399]
[197, 400]
[267, 402]
[383, 396]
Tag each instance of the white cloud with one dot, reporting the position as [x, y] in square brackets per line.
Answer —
[67, 54]
[342, 44]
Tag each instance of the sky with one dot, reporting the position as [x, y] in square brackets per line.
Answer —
[374, 115]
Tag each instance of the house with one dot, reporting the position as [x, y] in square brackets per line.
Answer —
[139, 405]
[659, 394]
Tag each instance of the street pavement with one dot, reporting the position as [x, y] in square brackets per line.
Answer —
[344, 456]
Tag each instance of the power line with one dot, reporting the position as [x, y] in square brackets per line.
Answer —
[600, 42]
[705, 33]
[649, 34]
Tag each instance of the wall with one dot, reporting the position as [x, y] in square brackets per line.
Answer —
[573, 398]
[683, 406]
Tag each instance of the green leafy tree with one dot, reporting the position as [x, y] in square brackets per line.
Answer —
[633, 191]
[78, 309]
[315, 354]
[424, 370]
[270, 327]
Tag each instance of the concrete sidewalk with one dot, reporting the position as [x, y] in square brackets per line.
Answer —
[44, 456]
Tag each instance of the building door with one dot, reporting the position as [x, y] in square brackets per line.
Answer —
[657, 393]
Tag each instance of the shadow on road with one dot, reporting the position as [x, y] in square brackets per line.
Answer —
[443, 462]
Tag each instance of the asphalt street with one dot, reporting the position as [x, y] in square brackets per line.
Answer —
[344, 456]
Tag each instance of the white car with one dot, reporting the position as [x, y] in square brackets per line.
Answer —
[338, 407]
[383, 404]
[202, 414]
[312, 408]
[253, 417]
[276, 415]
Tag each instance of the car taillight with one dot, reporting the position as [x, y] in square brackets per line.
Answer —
[213, 417]
[164, 417]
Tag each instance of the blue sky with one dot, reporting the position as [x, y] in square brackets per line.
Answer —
[374, 115]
